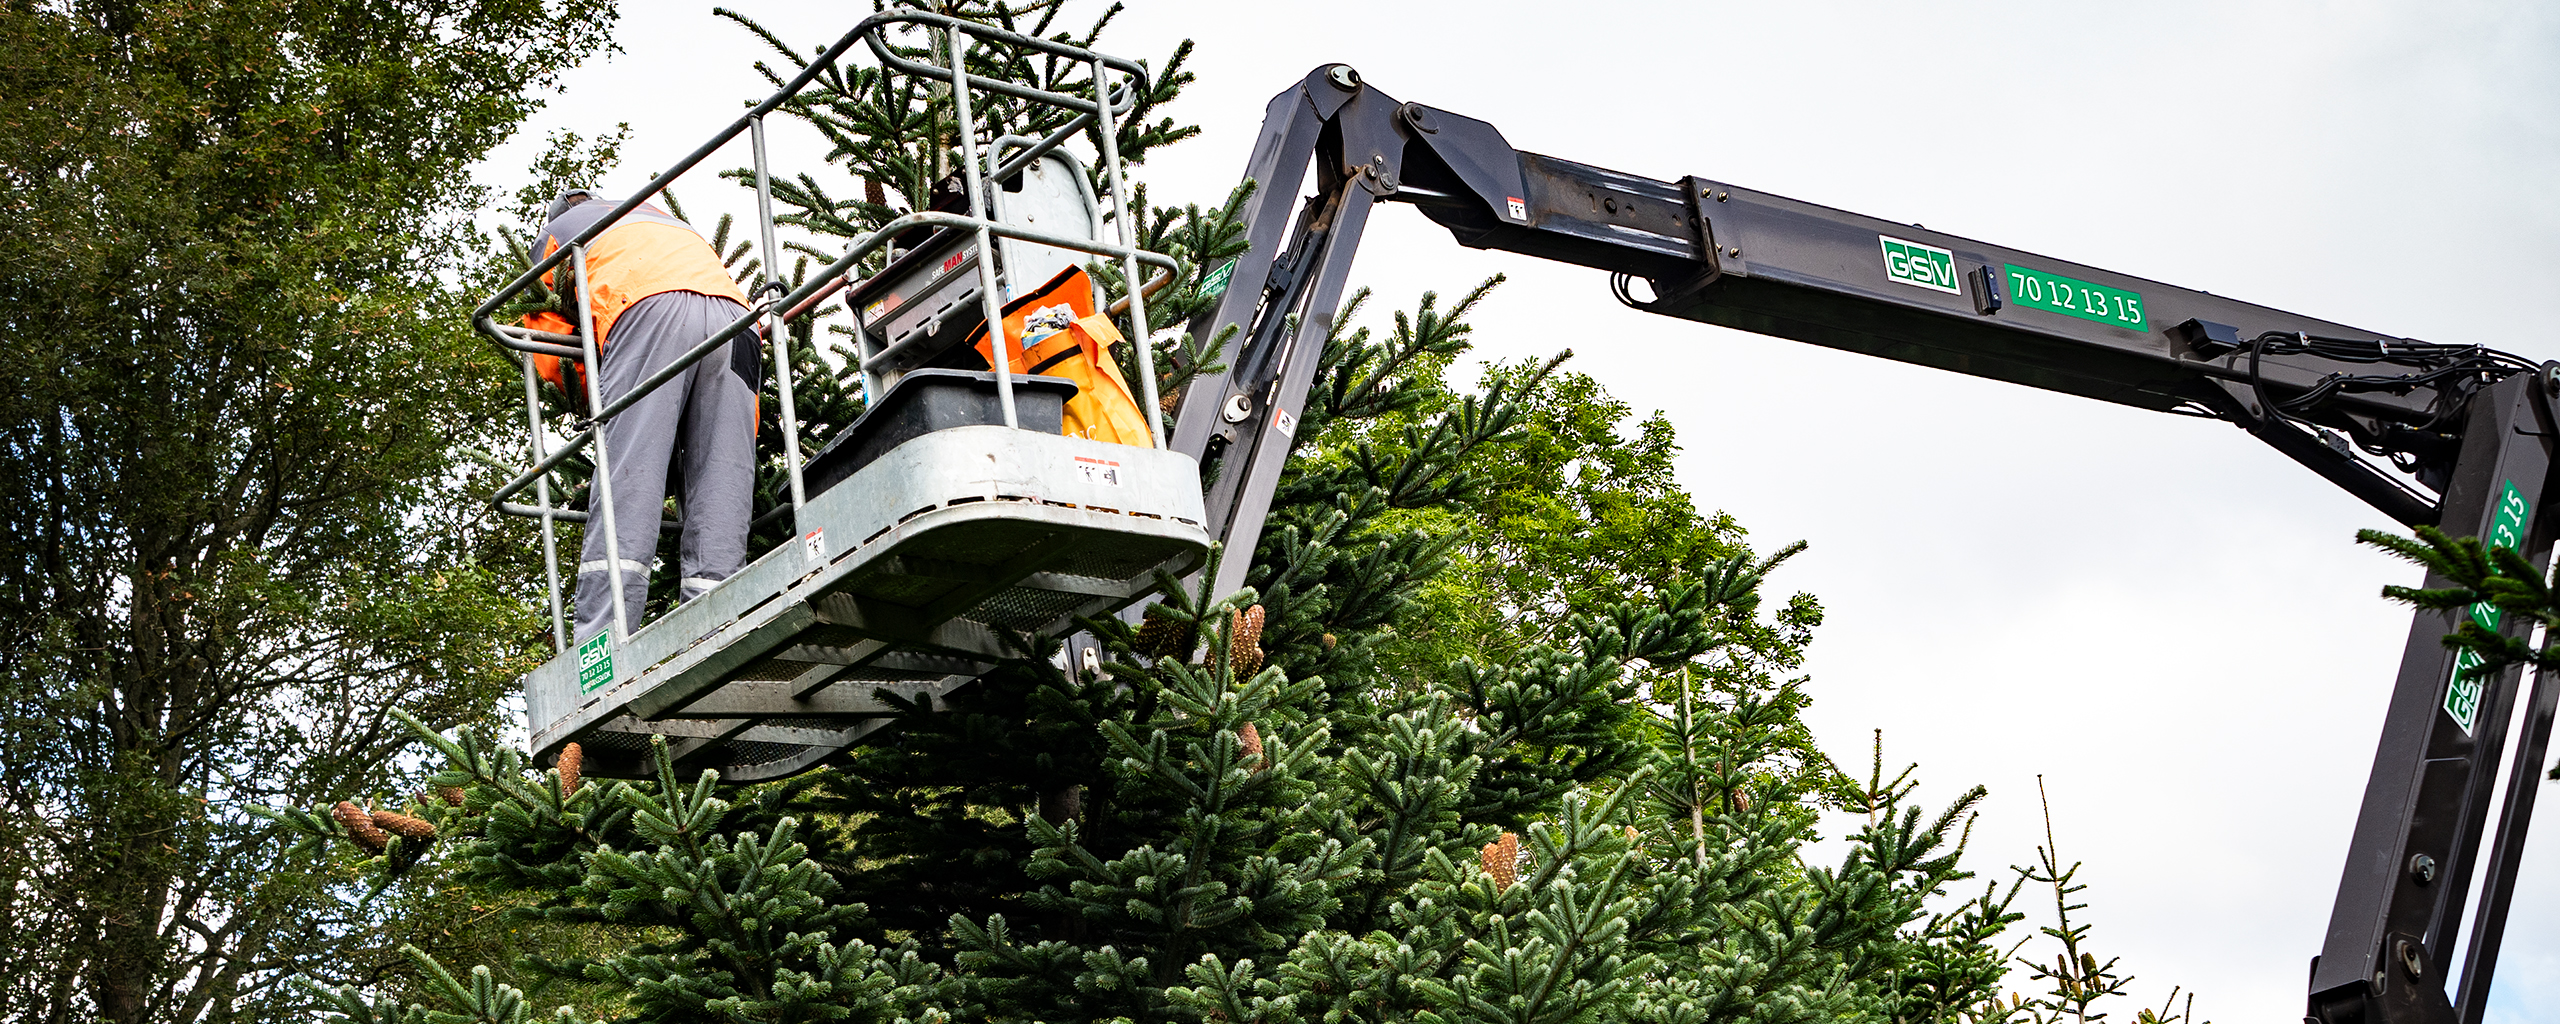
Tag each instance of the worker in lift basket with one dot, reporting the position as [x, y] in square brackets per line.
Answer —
[656, 289]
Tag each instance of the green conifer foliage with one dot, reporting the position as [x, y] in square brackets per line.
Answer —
[1324, 864]
[1502, 729]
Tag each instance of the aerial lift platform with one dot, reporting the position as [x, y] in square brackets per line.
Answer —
[939, 546]
[951, 521]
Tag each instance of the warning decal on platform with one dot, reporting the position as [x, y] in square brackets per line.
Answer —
[1099, 471]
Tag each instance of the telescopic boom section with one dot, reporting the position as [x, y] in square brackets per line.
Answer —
[2429, 434]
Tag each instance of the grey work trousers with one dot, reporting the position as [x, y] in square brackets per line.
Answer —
[702, 424]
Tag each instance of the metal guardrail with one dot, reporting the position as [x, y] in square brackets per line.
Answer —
[774, 308]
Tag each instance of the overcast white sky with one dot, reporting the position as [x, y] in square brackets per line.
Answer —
[2165, 619]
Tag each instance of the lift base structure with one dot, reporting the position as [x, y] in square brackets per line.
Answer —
[2455, 436]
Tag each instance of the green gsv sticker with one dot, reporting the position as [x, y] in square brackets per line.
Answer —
[1216, 283]
[1919, 265]
[595, 662]
[2506, 530]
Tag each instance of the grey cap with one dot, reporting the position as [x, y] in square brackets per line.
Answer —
[567, 198]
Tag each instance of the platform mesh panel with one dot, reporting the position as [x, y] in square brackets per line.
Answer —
[875, 676]
[977, 542]
[805, 723]
[1026, 609]
[903, 689]
[775, 670]
[911, 591]
[622, 742]
[1114, 562]
[827, 635]
[749, 755]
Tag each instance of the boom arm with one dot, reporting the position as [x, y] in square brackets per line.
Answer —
[2467, 431]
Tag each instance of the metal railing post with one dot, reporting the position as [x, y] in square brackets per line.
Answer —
[775, 331]
[599, 490]
[774, 316]
[542, 499]
[862, 352]
[1121, 215]
[999, 347]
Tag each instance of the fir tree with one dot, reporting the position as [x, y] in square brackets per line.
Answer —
[1501, 729]
[1244, 838]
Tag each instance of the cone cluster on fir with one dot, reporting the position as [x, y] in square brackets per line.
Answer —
[572, 757]
[1251, 738]
[1163, 636]
[1244, 641]
[1501, 859]
[360, 826]
[416, 830]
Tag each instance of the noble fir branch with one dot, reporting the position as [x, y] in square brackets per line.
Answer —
[482, 1000]
[2482, 576]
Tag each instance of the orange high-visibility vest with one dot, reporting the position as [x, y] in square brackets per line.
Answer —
[645, 253]
[1069, 339]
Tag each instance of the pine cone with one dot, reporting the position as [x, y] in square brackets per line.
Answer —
[1252, 740]
[416, 830]
[1163, 636]
[1329, 641]
[360, 826]
[1632, 838]
[872, 192]
[1501, 859]
[1244, 641]
[453, 795]
[571, 757]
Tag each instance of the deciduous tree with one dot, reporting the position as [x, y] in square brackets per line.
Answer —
[238, 384]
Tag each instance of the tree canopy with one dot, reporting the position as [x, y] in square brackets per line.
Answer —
[239, 387]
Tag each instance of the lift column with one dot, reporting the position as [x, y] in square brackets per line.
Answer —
[2389, 952]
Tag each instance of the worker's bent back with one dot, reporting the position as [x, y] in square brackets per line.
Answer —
[646, 253]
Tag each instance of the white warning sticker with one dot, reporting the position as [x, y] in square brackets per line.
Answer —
[1105, 472]
[1519, 210]
[813, 546]
[1286, 424]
